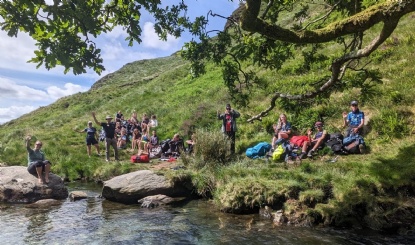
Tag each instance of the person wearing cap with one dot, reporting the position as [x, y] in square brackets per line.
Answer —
[229, 124]
[37, 164]
[91, 138]
[354, 120]
[110, 137]
[318, 139]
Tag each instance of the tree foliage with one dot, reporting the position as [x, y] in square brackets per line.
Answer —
[259, 35]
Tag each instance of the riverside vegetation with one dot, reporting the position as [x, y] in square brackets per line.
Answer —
[374, 190]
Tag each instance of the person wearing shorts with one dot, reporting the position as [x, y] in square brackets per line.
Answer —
[91, 138]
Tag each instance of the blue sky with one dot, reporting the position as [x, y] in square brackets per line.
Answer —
[23, 88]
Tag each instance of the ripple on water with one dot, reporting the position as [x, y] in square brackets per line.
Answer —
[96, 221]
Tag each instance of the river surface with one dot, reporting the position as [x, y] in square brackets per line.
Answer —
[97, 221]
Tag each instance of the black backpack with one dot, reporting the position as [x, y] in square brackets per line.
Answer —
[165, 146]
[335, 143]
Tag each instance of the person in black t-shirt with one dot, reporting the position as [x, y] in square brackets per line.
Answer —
[111, 139]
[229, 124]
[91, 138]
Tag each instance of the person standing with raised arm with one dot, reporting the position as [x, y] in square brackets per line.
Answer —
[110, 137]
[229, 124]
[37, 165]
[91, 138]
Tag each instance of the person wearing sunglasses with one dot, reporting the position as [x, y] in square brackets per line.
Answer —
[318, 140]
[37, 165]
[354, 120]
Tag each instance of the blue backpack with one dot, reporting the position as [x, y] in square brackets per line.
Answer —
[351, 143]
[259, 150]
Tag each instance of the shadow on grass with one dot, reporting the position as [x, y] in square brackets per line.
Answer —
[396, 172]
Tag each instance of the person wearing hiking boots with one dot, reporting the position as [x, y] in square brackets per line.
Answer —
[354, 121]
[111, 139]
[229, 124]
[318, 140]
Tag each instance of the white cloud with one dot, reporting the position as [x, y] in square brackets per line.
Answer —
[69, 88]
[12, 112]
[11, 90]
[17, 99]
[151, 40]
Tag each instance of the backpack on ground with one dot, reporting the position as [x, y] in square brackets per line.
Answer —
[144, 158]
[281, 151]
[278, 153]
[351, 143]
[165, 146]
[258, 150]
[335, 143]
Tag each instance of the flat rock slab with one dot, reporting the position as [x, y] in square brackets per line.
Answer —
[131, 187]
[18, 186]
[77, 195]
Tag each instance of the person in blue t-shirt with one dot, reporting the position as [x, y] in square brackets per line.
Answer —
[91, 138]
[354, 120]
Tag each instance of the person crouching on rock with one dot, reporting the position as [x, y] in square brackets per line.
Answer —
[37, 165]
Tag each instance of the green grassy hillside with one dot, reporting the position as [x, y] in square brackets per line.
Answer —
[355, 186]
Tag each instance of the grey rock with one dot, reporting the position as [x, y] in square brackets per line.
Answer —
[77, 195]
[18, 186]
[157, 200]
[45, 203]
[129, 188]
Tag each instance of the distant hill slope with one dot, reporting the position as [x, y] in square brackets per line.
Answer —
[164, 87]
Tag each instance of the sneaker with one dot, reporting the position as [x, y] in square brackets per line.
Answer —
[301, 156]
[362, 149]
[310, 153]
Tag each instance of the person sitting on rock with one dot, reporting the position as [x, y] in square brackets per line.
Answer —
[37, 165]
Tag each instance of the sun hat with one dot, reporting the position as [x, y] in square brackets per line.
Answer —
[354, 102]
[108, 117]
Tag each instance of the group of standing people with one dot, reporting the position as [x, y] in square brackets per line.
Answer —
[118, 133]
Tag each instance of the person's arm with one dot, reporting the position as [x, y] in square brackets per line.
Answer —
[28, 138]
[345, 115]
[236, 114]
[287, 128]
[362, 122]
[220, 116]
[95, 119]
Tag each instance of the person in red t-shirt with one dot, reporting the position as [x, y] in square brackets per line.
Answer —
[229, 124]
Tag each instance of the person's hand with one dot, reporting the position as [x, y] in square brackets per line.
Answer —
[28, 138]
[344, 115]
[309, 132]
[93, 113]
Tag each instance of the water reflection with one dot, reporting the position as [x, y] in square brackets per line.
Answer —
[97, 221]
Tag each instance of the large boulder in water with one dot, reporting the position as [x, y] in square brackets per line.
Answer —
[19, 186]
[131, 187]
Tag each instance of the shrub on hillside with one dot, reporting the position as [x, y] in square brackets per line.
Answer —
[212, 149]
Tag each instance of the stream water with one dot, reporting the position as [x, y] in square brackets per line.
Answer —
[97, 221]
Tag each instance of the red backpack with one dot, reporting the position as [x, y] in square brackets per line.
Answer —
[140, 158]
